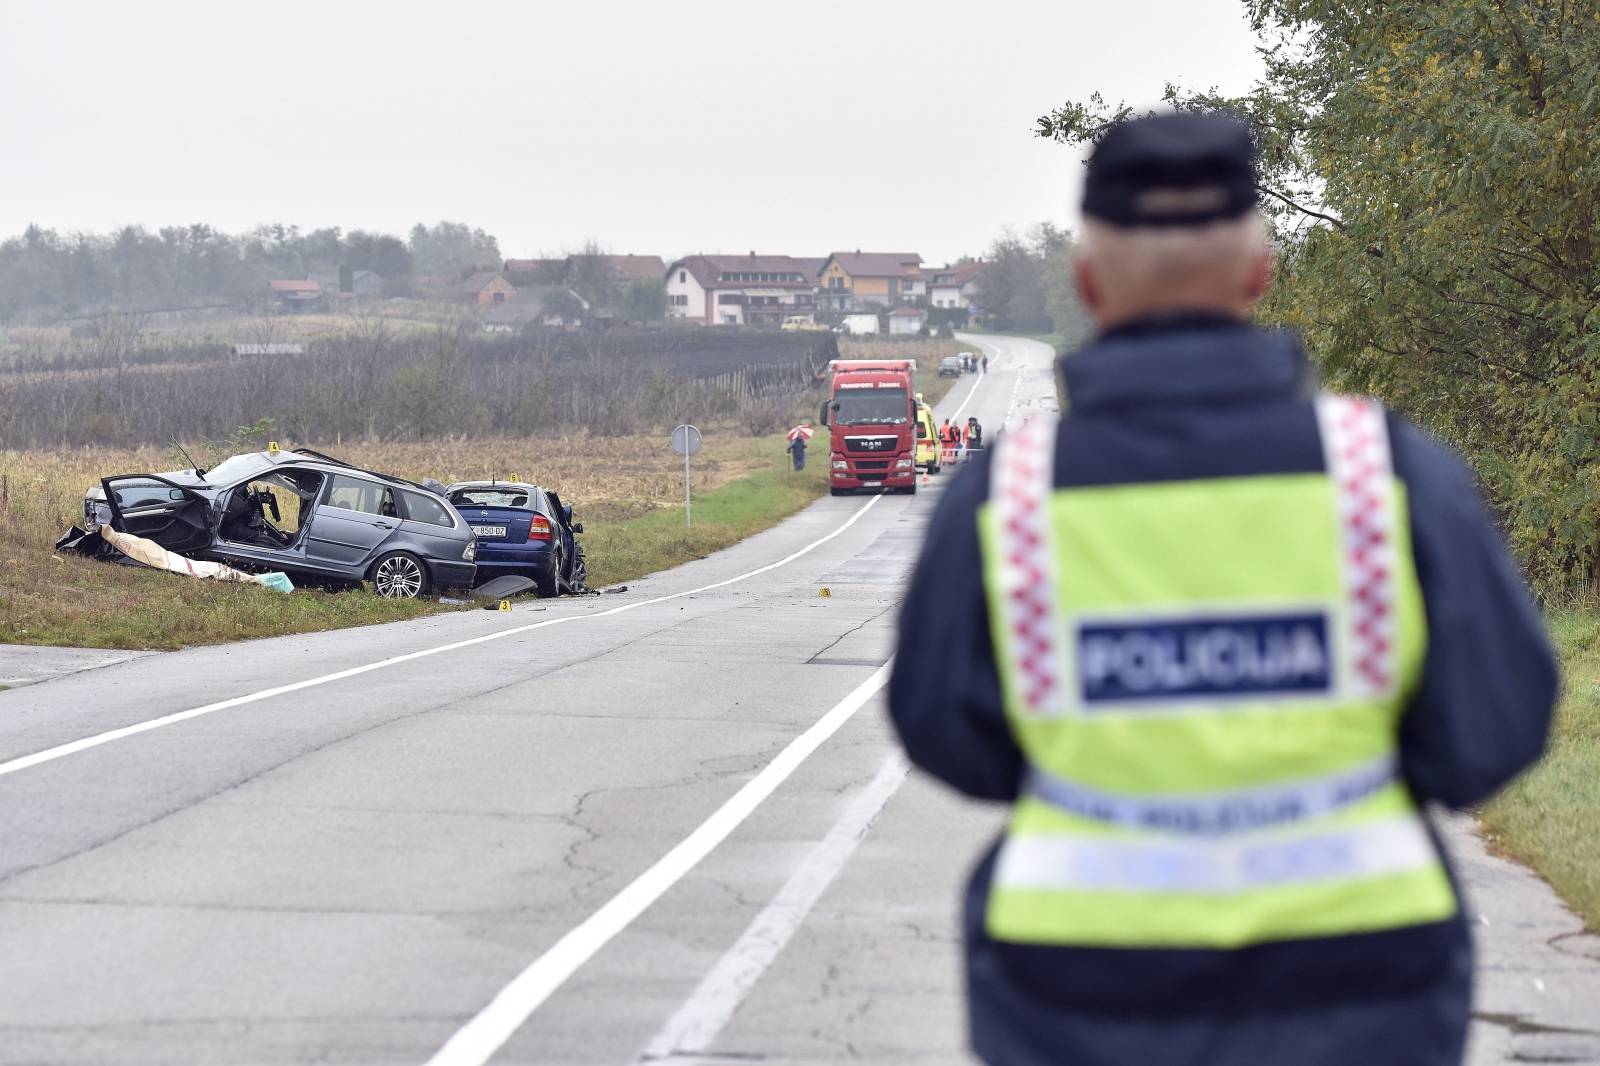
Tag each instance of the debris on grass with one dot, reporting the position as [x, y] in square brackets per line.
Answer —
[113, 546]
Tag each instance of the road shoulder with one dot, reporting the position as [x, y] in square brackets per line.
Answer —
[26, 664]
[1537, 993]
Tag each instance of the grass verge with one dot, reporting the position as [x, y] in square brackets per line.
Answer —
[1548, 817]
[628, 493]
[628, 549]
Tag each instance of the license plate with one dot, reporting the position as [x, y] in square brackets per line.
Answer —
[489, 531]
[872, 484]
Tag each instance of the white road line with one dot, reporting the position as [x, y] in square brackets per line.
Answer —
[694, 1027]
[1016, 386]
[970, 394]
[478, 1040]
[60, 751]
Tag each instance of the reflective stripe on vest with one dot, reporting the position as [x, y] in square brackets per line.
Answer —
[1355, 443]
[1206, 679]
[1235, 864]
[1218, 812]
[1022, 483]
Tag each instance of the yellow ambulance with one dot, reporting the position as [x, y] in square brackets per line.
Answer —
[927, 438]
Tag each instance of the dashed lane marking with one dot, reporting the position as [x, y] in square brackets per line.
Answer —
[477, 1041]
[690, 1033]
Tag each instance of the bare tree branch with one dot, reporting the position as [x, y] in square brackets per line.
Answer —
[1303, 210]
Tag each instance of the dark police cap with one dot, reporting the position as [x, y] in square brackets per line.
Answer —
[1179, 169]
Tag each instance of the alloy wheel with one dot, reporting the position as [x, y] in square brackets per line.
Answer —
[398, 578]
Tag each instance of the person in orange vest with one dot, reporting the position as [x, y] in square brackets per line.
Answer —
[949, 437]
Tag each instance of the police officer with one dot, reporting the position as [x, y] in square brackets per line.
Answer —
[972, 436]
[1218, 638]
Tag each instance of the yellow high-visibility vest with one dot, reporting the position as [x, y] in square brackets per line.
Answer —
[1207, 678]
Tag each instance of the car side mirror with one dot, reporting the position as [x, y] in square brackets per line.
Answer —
[175, 495]
[577, 527]
[822, 416]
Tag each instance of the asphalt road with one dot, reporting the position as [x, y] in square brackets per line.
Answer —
[669, 825]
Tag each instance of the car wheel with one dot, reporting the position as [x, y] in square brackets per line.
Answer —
[400, 576]
[549, 590]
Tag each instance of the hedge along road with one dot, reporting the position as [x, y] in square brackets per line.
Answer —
[351, 842]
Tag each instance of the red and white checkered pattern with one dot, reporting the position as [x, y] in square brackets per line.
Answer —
[1024, 475]
[1355, 444]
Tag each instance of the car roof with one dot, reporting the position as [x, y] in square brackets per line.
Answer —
[329, 464]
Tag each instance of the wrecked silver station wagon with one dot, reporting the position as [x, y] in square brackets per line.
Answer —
[310, 515]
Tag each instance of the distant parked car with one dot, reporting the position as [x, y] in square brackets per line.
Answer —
[950, 366]
[349, 524]
[525, 531]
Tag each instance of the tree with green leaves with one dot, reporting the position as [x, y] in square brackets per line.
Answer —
[1432, 171]
[452, 250]
[645, 300]
[1013, 289]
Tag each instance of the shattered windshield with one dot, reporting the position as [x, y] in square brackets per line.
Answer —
[489, 498]
[237, 468]
[872, 406]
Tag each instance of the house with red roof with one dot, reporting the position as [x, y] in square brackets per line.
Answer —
[852, 281]
[741, 290]
[954, 286]
[295, 294]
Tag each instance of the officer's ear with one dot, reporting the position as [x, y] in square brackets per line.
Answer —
[1088, 289]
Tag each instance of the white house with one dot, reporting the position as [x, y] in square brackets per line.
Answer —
[686, 293]
[741, 290]
[953, 286]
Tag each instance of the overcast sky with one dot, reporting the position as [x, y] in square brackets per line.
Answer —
[651, 126]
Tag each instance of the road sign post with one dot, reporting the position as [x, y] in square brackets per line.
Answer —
[686, 441]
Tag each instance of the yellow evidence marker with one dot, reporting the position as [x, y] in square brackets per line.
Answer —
[505, 605]
[824, 592]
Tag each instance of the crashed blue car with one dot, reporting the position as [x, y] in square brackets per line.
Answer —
[522, 531]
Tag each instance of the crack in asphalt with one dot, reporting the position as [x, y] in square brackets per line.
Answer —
[871, 618]
[10, 876]
[569, 857]
[1588, 949]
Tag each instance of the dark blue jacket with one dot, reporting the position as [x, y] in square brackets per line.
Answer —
[1200, 397]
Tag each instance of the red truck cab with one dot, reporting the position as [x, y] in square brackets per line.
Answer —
[871, 415]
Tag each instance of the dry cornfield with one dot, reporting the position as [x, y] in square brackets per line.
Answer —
[41, 492]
